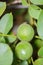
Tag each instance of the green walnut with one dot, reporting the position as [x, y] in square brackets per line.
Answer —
[24, 63]
[25, 32]
[40, 52]
[23, 50]
[39, 61]
[38, 43]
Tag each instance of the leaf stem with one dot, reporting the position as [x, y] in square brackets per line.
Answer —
[32, 60]
[6, 35]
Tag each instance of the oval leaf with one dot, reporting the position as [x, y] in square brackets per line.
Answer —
[2, 7]
[6, 23]
[40, 25]
[34, 11]
[6, 55]
[37, 2]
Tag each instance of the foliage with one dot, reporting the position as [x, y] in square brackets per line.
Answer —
[13, 52]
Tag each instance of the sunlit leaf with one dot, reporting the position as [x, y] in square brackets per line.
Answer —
[34, 11]
[6, 55]
[40, 25]
[6, 23]
[2, 7]
[37, 2]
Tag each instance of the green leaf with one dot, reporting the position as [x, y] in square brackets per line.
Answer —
[2, 7]
[40, 52]
[6, 55]
[37, 2]
[6, 23]
[40, 25]
[34, 11]
[24, 2]
[24, 63]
